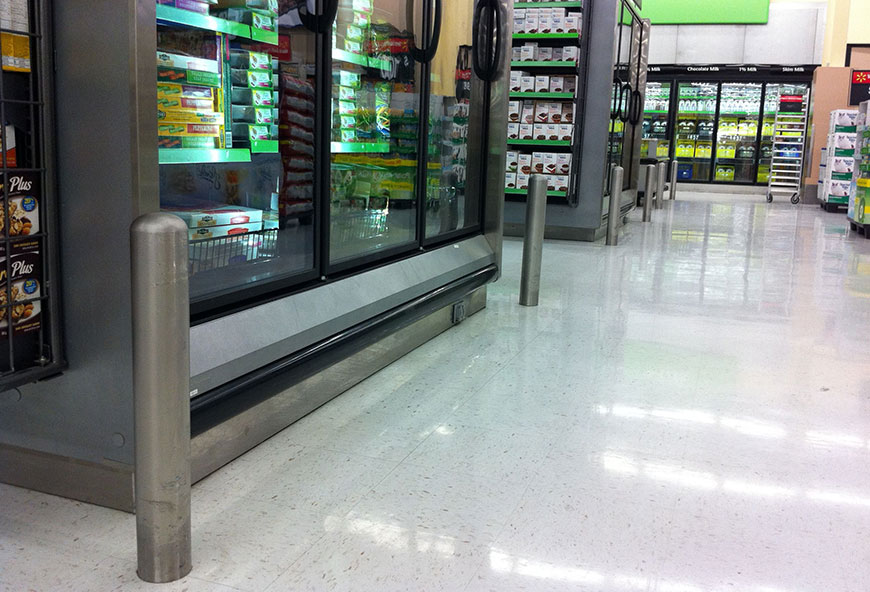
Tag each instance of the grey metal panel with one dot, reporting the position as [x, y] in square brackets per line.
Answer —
[493, 223]
[268, 332]
[87, 412]
[718, 44]
[596, 119]
[215, 447]
[663, 44]
[787, 38]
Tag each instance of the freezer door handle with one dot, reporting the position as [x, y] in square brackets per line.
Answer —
[319, 23]
[486, 42]
[432, 44]
[624, 102]
[636, 108]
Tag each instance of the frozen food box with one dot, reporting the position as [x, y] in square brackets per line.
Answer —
[519, 24]
[557, 84]
[189, 116]
[545, 24]
[516, 52]
[566, 132]
[544, 54]
[205, 232]
[552, 131]
[515, 81]
[172, 60]
[556, 54]
[567, 113]
[537, 162]
[557, 24]
[527, 131]
[220, 215]
[554, 112]
[527, 53]
[527, 84]
[563, 164]
[513, 131]
[188, 129]
[542, 112]
[182, 104]
[510, 180]
[531, 23]
[561, 182]
[540, 131]
[192, 5]
[522, 181]
[185, 76]
[550, 163]
[188, 142]
[511, 160]
[542, 83]
[514, 111]
[171, 90]
[572, 24]
[570, 53]
[528, 113]
[524, 163]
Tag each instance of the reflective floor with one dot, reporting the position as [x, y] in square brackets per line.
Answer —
[687, 412]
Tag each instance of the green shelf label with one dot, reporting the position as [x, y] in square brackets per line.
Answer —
[559, 64]
[546, 35]
[512, 191]
[548, 5]
[359, 147]
[540, 142]
[269, 37]
[197, 155]
[201, 21]
[541, 95]
[264, 146]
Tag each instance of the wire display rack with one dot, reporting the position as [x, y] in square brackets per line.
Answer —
[225, 251]
[30, 339]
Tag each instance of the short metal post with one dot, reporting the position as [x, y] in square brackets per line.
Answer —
[674, 166]
[613, 212]
[161, 392]
[661, 178]
[648, 191]
[533, 246]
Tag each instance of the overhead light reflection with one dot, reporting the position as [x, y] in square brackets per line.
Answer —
[631, 582]
[689, 415]
[834, 439]
[761, 489]
[680, 476]
[619, 464]
[836, 497]
[626, 411]
[753, 427]
[503, 562]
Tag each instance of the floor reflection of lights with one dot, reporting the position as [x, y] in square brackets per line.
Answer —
[680, 476]
[748, 426]
[503, 562]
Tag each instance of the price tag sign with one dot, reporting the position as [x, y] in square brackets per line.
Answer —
[859, 91]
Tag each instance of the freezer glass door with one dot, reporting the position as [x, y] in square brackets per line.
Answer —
[737, 133]
[768, 120]
[375, 125]
[656, 141]
[693, 135]
[452, 203]
[246, 194]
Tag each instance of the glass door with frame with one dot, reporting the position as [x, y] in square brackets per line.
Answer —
[768, 120]
[737, 133]
[656, 141]
[375, 131]
[694, 129]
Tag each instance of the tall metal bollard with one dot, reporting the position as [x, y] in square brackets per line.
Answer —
[613, 213]
[533, 245]
[648, 191]
[161, 391]
[661, 178]
[674, 170]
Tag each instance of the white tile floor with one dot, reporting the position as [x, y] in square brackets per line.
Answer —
[687, 412]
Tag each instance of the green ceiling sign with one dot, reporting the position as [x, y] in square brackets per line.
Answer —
[706, 12]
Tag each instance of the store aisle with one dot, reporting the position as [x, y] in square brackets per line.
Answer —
[687, 412]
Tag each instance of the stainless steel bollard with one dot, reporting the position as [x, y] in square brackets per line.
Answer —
[674, 169]
[661, 177]
[648, 191]
[161, 392]
[533, 245]
[613, 212]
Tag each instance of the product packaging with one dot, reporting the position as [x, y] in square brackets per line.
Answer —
[554, 112]
[552, 131]
[557, 84]
[513, 131]
[544, 54]
[526, 131]
[540, 131]
[527, 53]
[550, 163]
[563, 164]
[567, 112]
[527, 84]
[195, 234]
[566, 132]
[570, 53]
[23, 318]
[514, 111]
[522, 181]
[515, 81]
[542, 84]
[537, 162]
[528, 113]
[542, 112]
[22, 209]
[524, 163]
[545, 24]
[510, 180]
[572, 24]
[511, 160]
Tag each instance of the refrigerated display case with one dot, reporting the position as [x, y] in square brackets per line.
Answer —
[694, 129]
[737, 133]
[720, 118]
[656, 121]
[340, 173]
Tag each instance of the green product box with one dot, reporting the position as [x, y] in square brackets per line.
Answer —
[187, 142]
[183, 76]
